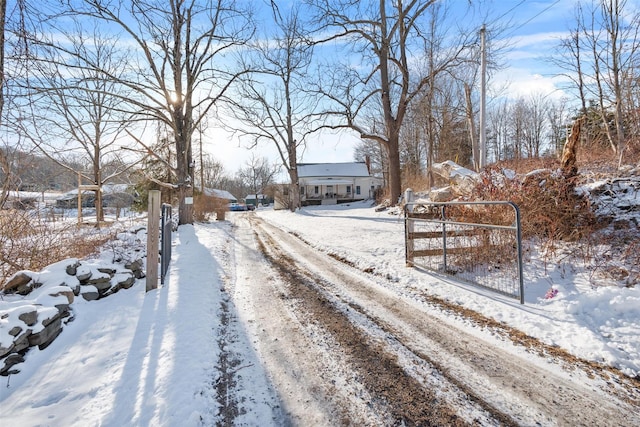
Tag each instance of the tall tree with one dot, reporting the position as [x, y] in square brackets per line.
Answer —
[180, 70]
[558, 120]
[374, 155]
[498, 127]
[622, 42]
[387, 36]
[535, 123]
[10, 25]
[212, 172]
[272, 104]
[603, 58]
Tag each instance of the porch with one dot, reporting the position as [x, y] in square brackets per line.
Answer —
[329, 192]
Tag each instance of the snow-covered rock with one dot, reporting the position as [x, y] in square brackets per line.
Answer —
[460, 180]
[46, 299]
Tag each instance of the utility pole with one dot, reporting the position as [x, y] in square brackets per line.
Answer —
[483, 99]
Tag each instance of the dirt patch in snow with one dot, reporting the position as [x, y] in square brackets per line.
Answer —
[399, 394]
[347, 348]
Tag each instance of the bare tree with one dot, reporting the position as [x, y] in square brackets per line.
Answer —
[623, 41]
[9, 180]
[608, 31]
[212, 172]
[10, 68]
[272, 104]
[374, 155]
[179, 71]
[571, 60]
[258, 174]
[412, 145]
[72, 109]
[499, 122]
[385, 35]
[558, 121]
[518, 113]
[535, 123]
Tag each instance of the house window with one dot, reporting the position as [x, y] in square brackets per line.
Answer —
[302, 190]
[316, 190]
[358, 190]
[348, 189]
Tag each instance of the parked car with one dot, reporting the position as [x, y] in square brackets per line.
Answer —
[234, 207]
[251, 207]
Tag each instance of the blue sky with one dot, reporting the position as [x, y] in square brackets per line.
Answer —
[533, 30]
[536, 27]
[534, 33]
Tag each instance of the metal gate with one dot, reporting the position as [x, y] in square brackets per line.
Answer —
[477, 242]
[165, 240]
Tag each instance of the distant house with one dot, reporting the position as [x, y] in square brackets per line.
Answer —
[113, 195]
[220, 194]
[259, 199]
[333, 183]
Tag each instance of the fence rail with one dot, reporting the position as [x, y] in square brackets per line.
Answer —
[478, 242]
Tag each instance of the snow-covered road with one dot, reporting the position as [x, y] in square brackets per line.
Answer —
[341, 346]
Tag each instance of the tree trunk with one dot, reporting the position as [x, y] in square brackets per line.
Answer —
[569, 154]
[395, 172]
[97, 180]
[98, 205]
[293, 175]
[295, 188]
[184, 158]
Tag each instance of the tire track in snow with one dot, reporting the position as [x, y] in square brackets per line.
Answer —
[405, 399]
[508, 384]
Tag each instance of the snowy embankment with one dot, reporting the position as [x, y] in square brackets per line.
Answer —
[132, 358]
[599, 323]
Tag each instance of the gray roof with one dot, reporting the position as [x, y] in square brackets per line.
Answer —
[352, 169]
[221, 194]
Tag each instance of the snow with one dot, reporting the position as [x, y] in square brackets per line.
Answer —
[137, 358]
[147, 354]
[599, 323]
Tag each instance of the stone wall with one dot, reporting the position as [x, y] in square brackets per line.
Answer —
[51, 293]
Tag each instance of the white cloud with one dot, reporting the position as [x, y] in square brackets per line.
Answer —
[523, 82]
[538, 40]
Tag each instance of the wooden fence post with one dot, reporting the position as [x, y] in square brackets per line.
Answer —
[409, 226]
[153, 235]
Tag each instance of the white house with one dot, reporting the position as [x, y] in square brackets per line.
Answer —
[332, 183]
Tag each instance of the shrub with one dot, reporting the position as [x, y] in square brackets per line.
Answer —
[205, 205]
[29, 242]
[549, 205]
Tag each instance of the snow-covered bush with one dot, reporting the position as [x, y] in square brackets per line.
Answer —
[30, 242]
[549, 205]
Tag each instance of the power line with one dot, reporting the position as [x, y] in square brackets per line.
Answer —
[510, 10]
[532, 18]
[541, 12]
